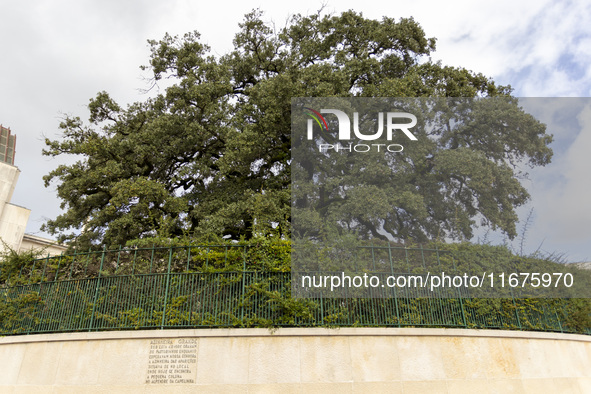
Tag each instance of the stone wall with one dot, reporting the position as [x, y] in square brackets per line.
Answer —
[297, 360]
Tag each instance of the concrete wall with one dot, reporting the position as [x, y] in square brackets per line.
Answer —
[13, 223]
[8, 178]
[298, 360]
[13, 219]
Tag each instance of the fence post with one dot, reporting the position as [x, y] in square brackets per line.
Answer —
[321, 309]
[71, 265]
[558, 317]
[460, 298]
[98, 283]
[392, 273]
[57, 271]
[167, 287]
[118, 258]
[188, 256]
[516, 309]
[32, 272]
[243, 284]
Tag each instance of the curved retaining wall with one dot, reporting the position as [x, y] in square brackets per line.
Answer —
[297, 360]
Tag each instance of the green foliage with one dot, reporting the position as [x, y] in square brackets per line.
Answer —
[578, 315]
[19, 312]
[16, 267]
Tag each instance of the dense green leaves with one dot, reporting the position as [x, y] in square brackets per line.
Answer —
[211, 155]
[227, 284]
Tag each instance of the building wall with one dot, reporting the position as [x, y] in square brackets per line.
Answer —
[13, 219]
[297, 360]
[8, 178]
[13, 223]
[46, 246]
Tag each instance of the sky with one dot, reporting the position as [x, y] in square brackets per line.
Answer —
[55, 56]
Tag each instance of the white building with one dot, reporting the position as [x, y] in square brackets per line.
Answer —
[13, 218]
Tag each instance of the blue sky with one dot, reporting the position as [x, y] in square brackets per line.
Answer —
[57, 55]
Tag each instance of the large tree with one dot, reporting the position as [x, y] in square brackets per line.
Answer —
[212, 153]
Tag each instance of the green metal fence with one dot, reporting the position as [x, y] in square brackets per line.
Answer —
[223, 286]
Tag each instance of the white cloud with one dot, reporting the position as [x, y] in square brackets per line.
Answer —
[569, 206]
[561, 191]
